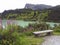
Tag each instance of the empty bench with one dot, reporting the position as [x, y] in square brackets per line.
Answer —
[44, 32]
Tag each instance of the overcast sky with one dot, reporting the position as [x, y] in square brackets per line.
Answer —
[14, 4]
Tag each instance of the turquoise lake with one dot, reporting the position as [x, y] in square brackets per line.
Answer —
[26, 23]
[19, 22]
[52, 23]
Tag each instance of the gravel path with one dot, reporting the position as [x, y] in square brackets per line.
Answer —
[51, 40]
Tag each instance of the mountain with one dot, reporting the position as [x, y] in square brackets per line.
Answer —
[54, 15]
[55, 7]
[37, 7]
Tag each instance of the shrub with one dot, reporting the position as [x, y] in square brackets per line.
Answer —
[57, 28]
[28, 33]
[39, 26]
[8, 38]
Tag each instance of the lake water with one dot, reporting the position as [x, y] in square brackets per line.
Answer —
[26, 23]
[52, 23]
[18, 22]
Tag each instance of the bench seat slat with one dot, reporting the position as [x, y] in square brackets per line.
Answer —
[45, 31]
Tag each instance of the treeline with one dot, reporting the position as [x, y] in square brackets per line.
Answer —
[54, 16]
[24, 14]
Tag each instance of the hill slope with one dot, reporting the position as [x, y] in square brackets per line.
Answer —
[54, 15]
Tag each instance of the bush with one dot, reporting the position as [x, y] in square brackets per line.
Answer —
[57, 28]
[39, 26]
[8, 38]
[28, 33]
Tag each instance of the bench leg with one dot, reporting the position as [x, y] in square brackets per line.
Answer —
[36, 35]
[49, 33]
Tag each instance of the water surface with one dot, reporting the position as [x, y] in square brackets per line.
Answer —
[18, 22]
[52, 23]
[26, 23]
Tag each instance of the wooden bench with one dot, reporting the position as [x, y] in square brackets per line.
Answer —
[44, 32]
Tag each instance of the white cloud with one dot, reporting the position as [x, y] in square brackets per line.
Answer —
[13, 4]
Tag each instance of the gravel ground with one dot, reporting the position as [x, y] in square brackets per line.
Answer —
[51, 40]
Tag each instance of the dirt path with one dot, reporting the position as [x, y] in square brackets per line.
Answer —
[51, 40]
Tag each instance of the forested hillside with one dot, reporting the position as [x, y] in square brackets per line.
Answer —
[51, 14]
[54, 15]
[23, 14]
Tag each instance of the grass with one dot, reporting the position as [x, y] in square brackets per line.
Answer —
[56, 33]
[33, 40]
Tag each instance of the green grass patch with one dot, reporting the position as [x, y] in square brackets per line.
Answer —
[30, 40]
[56, 33]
